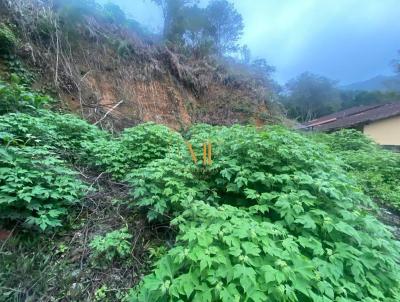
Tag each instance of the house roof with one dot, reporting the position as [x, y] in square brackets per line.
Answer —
[353, 117]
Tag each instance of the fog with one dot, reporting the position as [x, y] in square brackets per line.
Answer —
[347, 40]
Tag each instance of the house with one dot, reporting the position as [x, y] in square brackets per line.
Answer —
[380, 122]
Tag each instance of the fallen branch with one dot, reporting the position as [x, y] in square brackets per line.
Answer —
[109, 111]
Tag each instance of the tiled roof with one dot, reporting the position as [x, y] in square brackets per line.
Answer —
[353, 117]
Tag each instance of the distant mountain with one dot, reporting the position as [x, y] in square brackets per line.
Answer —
[382, 83]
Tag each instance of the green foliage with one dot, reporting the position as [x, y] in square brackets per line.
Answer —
[18, 98]
[134, 148]
[216, 28]
[66, 134]
[36, 187]
[157, 252]
[101, 293]
[18, 74]
[226, 25]
[359, 98]
[376, 170]
[274, 218]
[311, 96]
[113, 245]
[8, 41]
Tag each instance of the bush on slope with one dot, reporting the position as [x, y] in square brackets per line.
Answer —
[36, 187]
[376, 170]
[274, 218]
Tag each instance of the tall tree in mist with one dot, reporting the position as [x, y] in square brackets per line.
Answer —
[218, 27]
[226, 25]
[310, 96]
[174, 17]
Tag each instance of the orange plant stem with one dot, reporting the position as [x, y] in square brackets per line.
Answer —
[194, 158]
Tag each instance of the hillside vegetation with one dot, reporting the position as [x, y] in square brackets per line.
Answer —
[265, 214]
[135, 168]
[107, 68]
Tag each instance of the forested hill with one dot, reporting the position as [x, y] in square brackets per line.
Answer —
[378, 83]
[109, 69]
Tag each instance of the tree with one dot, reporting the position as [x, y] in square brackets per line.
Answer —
[196, 32]
[174, 17]
[310, 96]
[226, 25]
[245, 54]
[359, 98]
[218, 27]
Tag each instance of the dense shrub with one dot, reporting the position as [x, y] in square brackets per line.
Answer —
[66, 134]
[36, 187]
[134, 148]
[17, 98]
[274, 218]
[8, 41]
[377, 170]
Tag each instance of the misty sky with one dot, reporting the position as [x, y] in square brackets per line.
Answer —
[347, 40]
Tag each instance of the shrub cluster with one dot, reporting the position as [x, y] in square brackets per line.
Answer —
[133, 148]
[17, 98]
[8, 41]
[376, 170]
[36, 187]
[66, 134]
[27, 131]
[274, 218]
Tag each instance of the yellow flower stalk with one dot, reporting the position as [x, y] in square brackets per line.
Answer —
[194, 158]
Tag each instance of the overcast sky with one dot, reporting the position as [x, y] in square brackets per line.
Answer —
[346, 40]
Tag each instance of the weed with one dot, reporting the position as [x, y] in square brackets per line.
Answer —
[112, 246]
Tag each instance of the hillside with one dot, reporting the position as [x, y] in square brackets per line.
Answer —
[117, 186]
[118, 76]
[210, 214]
[378, 83]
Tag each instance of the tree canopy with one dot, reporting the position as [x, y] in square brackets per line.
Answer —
[310, 95]
[217, 28]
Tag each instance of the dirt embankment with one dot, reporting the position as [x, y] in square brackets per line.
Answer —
[112, 77]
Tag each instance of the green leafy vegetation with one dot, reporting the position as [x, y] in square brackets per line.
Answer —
[274, 217]
[36, 187]
[112, 245]
[133, 148]
[66, 134]
[18, 98]
[264, 215]
[376, 170]
[214, 29]
[8, 41]
[18, 73]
